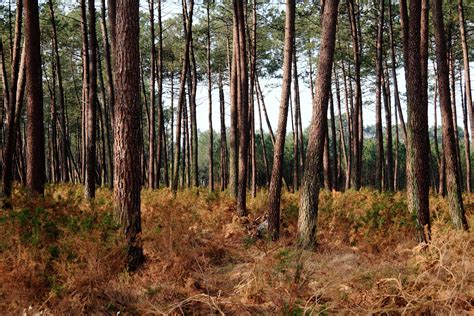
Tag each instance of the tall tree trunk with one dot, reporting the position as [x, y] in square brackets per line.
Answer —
[262, 99]
[62, 105]
[396, 94]
[308, 212]
[108, 164]
[53, 137]
[192, 117]
[253, 69]
[209, 95]
[223, 140]
[264, 147]
[417, 142]
[14, 107]
[171, 128]
[378, 99]
[161, 143]
[187, 21]
[274, 193]
[388, 122]
[234, 116]
[452, 76]
[342, 133]
[151, 125]
[243, 105]
[326, 163]
[35, 167]
[357, 114]
[467, 145]
[440, 171]
[127, 132]
[334, 160]
[452, 180]
[296, 97]
[110, 90]
[467, 76]
[396, 180]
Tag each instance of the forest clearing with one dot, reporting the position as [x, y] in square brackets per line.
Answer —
[61, 255]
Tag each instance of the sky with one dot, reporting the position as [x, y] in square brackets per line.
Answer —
[272, 102]
[272, 89]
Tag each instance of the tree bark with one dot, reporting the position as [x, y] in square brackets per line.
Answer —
[223, 140]
[14, 108]
[396, 94]
[242, 105]
[334, 160]
[356, 130]
[467, 145]
[161, 143]
[194, 171]
[388, 122]
[417, 141]
[456, 207]
[308, 212]
[234, 117]
[467, 76]
[209, 95]
[274, 194]
[151, 125]
[62, 105]
[187, 22]
[378, 99]
[127, 131]
[35, 156]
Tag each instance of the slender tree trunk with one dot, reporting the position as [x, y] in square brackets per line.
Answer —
[452, 180]
[14, 107]
[62, 106]
[209, 95]
[171, 128]
[253, 66]
[234, 117]
[357, 114]
[53, 136]
[396, 180]
[264, 147]
[35, 156]
[440, 170]
[274, 193]
[388, 122]
[334, 160]
[161, 143]
[467, 145]
[467, 76]
[417, 142]
[151, 125]
[307, 218]
[342, 133]
[262, 99]
[223, 140]
[192, 117]
[108, 164]
[378, 99]
[454, 112]
[396, 94]
[187, 21]
[243, 105]
[297, 103]
[127, 132]
[326, 163]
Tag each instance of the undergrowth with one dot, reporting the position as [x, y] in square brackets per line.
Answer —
[61, 254]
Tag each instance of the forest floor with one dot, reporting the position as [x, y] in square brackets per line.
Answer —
[61, 255]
